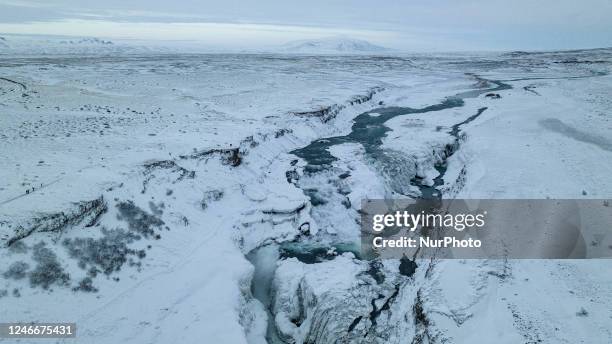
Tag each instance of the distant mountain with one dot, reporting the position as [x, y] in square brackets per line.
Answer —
[16, 44]
[87, 41]
[331, 46]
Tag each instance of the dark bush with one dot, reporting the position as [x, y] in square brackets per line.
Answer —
[18, 247]
[86, 285]
[138, 220]
[48, 271]
[106, 254]
[17, 270]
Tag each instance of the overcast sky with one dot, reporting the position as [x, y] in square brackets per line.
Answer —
[435, 25]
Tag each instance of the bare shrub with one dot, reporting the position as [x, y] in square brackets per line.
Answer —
[48, 271]
[16, 271]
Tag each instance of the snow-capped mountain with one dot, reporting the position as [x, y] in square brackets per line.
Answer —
[332, 45]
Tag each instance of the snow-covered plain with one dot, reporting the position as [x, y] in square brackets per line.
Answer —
[154, 197]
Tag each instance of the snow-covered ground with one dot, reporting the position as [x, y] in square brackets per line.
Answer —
[157, 197]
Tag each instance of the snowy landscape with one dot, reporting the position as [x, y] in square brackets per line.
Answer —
[155, 196]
